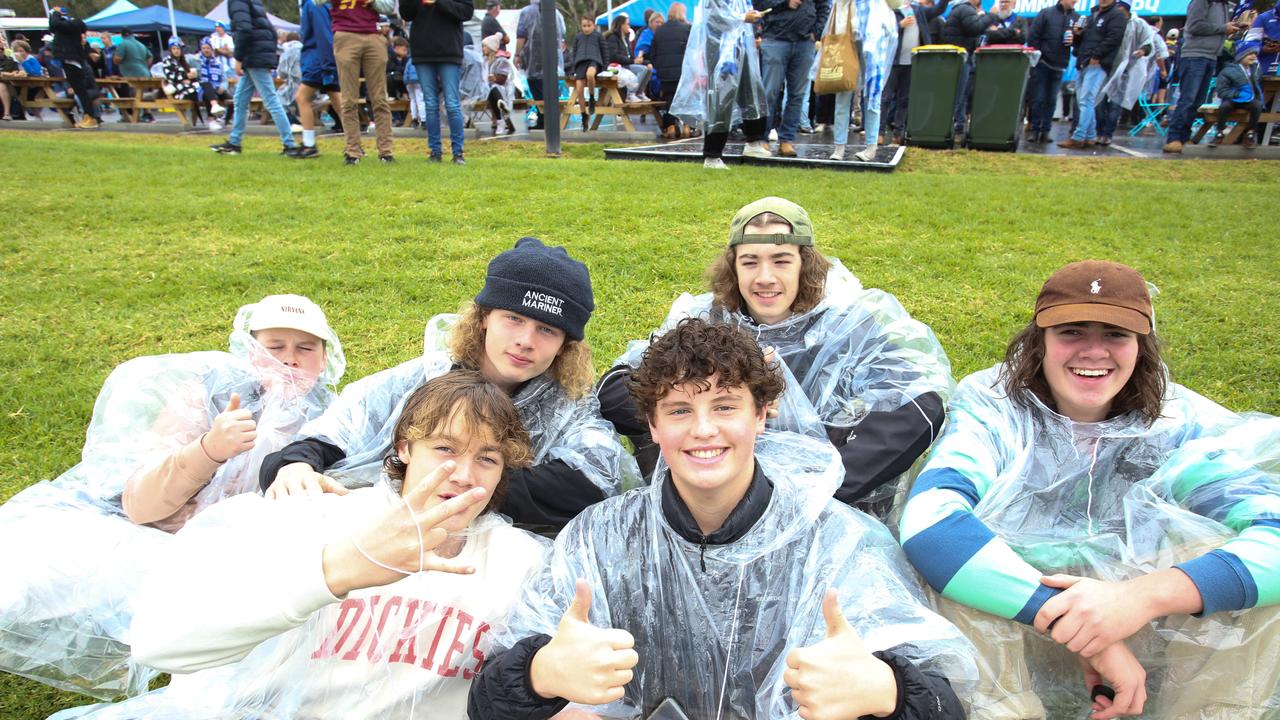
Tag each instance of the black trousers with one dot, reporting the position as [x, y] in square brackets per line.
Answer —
[713, 144]
[1253, 107]
[80, 78]
[893, 102]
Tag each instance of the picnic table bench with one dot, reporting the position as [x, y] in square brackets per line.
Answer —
[146, 93]
[44, 97]
[1270, 115]
[609, 102]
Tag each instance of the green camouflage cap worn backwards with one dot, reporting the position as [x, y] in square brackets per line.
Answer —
[801, 228]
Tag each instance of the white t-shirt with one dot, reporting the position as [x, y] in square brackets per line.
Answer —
[256, 591]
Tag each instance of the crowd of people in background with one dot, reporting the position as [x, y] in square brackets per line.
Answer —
[379, 67]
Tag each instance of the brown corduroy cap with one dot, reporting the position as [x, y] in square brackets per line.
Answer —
[1095, 291]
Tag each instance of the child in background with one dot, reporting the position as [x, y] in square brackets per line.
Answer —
[1237, 86]
[588, 59]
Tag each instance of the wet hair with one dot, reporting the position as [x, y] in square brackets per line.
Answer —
[482, 408]
[1022, 376]
[572, 368]
[694, 351]
[722, 276]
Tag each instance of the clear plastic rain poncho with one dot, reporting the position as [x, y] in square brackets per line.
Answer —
[406, 650]
[363, 419]
[473, 84]
[716, 640]
[720, 80]
[877, 32]
[856, 353]
[1113, 500]
[66, 601]
[1128, 78]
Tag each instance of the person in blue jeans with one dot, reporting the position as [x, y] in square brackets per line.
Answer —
[256, 56]
[791, 30]
[1206, 29]
[1103, 34]
[435, 43]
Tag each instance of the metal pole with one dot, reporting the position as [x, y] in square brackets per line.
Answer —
[550, 76]
[47, 10]
[173, 24]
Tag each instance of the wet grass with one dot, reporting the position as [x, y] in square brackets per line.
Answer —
[123, 245]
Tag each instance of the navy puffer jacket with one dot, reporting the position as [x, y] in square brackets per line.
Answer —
[253, 33]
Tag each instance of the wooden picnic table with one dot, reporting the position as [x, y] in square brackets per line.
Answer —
[140, 88]
[45, 96]
[608, 102]
[1270, 115]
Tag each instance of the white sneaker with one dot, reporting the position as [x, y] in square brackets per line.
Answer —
[773, 135]
[837, 153]
[868, 154]
[504, 107]
[215, 126]
[217, 110]
[757, 149]
[714, 164]
[633, 98]
[370, 129]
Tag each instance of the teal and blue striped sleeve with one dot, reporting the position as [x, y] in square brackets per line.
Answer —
[958, 555]
[1226, 486]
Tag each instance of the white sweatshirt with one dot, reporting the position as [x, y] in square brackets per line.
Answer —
[249, 587]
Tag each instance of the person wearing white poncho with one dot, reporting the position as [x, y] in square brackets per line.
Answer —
[377, 604]
[733, 584]
[1079, 492]
[875, 377]
[170, 436]
[524, 333]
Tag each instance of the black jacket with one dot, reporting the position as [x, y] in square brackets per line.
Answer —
[253, 33]
[803, 23]
[68, 40]
[1013, 32]
[1046, 33]
[965, 26]
[666, 54]
[490, 26]
[502, 691]
[1103, 35]
[541, 496]
[435, 35]
[616, 50]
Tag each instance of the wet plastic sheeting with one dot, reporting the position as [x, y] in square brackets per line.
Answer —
[74, 561]
[720, 80]
[717, 640]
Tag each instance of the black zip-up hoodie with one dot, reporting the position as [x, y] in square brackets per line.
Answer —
[67, 37]
[803, 23]
[435, 35]
[1103, 34]
[1047, 31]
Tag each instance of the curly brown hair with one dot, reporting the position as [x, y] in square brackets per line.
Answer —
[1022, 375]
[483, 410]
[572, 368]
[722, 276]
[693, 352]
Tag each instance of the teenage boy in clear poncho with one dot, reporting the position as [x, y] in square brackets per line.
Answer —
[170, 435]
[721, 82]
[876, 378]
[373, 605]
[1079, 492]
[733, 584]
[524, 333]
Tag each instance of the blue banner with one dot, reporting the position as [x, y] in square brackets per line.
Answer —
[1142, 7]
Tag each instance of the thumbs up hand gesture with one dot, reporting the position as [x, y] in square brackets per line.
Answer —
[838, 679]
[583, 663]
[233, 432]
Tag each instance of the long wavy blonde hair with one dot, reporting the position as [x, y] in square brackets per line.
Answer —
[572, 368]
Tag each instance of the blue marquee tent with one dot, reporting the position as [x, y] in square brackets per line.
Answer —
[153, 19]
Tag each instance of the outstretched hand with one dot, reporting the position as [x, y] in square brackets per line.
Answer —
[583, 663]
[401, 541]
[838, 678]
[299, 478]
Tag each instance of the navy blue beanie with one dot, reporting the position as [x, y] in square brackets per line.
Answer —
[542, 283]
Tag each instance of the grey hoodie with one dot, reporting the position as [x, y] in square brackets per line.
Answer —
[1206, 29]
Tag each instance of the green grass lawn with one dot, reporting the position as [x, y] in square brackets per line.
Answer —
[124, 245]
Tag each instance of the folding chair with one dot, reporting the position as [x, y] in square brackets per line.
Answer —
[1151, 112]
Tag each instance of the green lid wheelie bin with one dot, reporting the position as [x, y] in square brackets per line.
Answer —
[931, 103]
[999, 87]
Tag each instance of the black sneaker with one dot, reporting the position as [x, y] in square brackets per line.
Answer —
[291, 151]
[387, 158]
[225, 148]
[351, 159]
[457, 160]
[435, 157]
[305, 153]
